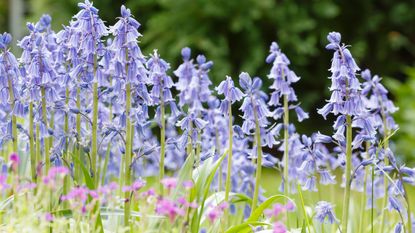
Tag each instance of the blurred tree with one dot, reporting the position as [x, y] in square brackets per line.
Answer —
[404, 93]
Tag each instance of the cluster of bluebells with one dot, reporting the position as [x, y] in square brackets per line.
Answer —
[51, 89]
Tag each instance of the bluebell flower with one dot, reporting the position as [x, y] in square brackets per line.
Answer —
[325, 210]
[230, 92]
[193, 83]
[254, 103]
[346, 98]
[377, 101]
[283, 79]
[161, 84]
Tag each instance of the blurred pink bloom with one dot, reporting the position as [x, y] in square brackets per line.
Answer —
[169, 208]
[188, 184]
[214, 214]
[275, 211]
[279, 228]
[15, 158]
[49, 217]
[169, 182]
[290, 206]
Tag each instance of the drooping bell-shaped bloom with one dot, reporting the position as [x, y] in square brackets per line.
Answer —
[282, 78]
[254, 106]
[231, 93]
[9, 88]
[325, 210]
[346, 96]
[161, 84]
[193, 84]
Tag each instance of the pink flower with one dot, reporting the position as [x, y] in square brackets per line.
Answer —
[169, 182]
[188, 184]
[138, 184]
[290, 206]
[127, 189]
[15, 158]
[217, 211]
[279, 228]
[48, 217]
[149, 192]
[275, 211]
[3, 183]
[222, 206]
[169, 208]
[214, 214]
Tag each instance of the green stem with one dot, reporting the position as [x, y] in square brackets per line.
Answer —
[300, 193]
[45, 121]
[259, 162]
[94, 149]
[221, 166]
[363, 203]
[78, 172]
[162, 142]
[107, 157]
[14, 121]
[286, 159]
[128, 147]
[346, 200]
[372, 214]
[31, 142]
[38, 153]
[385, 180]
[66, 179]
[229, 169]
[408, 209]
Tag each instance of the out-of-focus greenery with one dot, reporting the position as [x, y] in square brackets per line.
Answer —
[236, 34]
[405, 117]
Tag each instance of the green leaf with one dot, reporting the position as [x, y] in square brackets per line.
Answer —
[184, 174]
[218, 197]
[266, 204]
[90, 184]
[206, 182]
[246, 226]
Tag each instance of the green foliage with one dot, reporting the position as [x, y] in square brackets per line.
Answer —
[404, 93]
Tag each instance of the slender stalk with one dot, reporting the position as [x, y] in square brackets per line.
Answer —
[286, 159]
[408, 209]
[259, 162]
[372, 214]
[78, 131]
[94, 149]
[363, 203]
[162, 142]
[221, 166]
[45, 121]
[198, 150]
[38, 152]
[128, 147]
[32, 142]
[66, 179]
[346, 200]
[14, 121]
[300, 193]
[229, 169]
[385, 181]
[107, 157]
